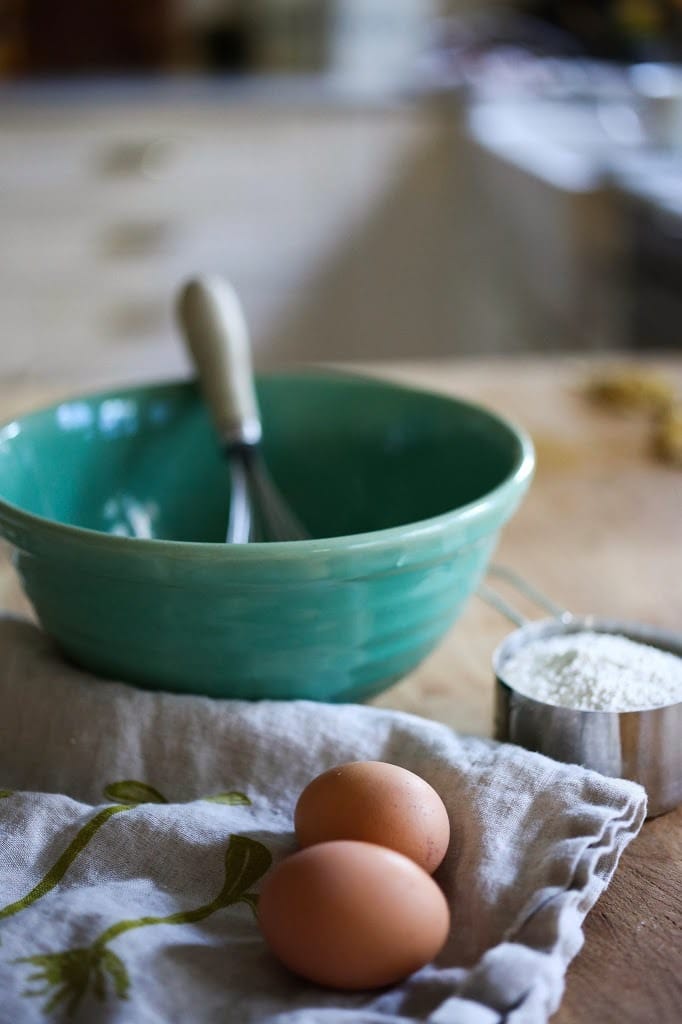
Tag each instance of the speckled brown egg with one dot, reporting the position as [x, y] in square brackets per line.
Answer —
[375, 802]
[352, 915]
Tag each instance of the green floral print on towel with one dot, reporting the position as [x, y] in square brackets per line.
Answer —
[65, 978]
[129, 794]
[63, 862]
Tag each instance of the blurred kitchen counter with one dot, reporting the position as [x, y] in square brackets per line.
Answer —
[355, 226]
[600, 531]
[565, 187]
[333, 213]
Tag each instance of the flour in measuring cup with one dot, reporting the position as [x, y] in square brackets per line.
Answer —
[595, 672]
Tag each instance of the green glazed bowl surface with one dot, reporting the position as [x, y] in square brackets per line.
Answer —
[116, 505]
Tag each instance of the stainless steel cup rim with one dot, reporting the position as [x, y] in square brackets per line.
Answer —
[541, 629]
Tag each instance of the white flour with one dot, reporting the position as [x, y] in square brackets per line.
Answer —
[595, 672]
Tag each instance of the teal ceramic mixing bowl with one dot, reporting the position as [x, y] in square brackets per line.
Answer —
[116, 505]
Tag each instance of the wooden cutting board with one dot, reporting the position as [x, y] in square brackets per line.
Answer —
[600, 531]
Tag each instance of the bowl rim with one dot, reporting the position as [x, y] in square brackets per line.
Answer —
[517, 479]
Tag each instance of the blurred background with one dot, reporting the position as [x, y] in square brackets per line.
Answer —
[381, 179]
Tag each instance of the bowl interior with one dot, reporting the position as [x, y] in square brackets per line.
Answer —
[350, 454]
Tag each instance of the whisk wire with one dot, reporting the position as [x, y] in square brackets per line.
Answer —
[258, 513]
[239, 526]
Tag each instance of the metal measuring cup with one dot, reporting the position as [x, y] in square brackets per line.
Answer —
[645, 746]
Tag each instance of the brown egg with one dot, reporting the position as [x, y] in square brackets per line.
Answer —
[352, 915]
[375, 802]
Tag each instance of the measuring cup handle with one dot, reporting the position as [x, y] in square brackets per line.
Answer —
[495, 600]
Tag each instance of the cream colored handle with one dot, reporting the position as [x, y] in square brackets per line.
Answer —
[217, 339]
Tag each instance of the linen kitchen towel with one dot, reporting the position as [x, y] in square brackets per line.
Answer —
[136, 827]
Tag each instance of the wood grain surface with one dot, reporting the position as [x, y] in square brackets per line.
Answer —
[600, 531]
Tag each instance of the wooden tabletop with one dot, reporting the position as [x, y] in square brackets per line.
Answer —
[600, 531]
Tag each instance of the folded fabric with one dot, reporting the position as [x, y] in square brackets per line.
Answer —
[135, 828]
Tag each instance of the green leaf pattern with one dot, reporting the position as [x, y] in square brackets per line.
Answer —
[131, 792]
[233, 798]
[67, 976]
[64, 978]
[64, 861]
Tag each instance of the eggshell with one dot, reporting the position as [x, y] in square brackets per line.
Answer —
[352, 915]
[375, 802]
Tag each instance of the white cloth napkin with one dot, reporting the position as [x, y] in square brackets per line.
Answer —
[135, 828]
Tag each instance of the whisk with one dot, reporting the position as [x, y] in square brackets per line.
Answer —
[217, 338]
